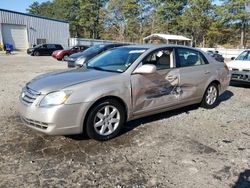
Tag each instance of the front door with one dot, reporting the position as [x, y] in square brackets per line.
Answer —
[158, 90]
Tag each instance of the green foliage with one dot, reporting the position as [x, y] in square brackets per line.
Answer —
[208, 24]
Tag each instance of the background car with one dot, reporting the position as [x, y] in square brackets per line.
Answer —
[61, 54]
[44, 49]
[240, 67]
[80, 58]
[119, 85]
[215, 54]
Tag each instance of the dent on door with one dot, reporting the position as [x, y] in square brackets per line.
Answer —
[152, 91]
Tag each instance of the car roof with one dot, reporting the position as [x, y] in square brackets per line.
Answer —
[157, 46]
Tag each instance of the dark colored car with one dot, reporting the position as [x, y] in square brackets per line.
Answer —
[44, 49]
[82, 57]
[216, 55]
[61, 54]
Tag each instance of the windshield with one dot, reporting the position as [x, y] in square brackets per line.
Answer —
[244, 56]
[94, 49]
[39, 45]
[115, 60]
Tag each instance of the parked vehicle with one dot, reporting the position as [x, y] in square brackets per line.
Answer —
[216, 55]
[240, 67]
[80, 58]
[44, 49]
[120, 85]
[61, 54]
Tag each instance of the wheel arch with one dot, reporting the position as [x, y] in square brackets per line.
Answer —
[217, 82]
[118, 99]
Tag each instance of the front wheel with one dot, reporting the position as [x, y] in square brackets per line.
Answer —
[36, 53]
[65, 57]
[210, 97]
[105, 120]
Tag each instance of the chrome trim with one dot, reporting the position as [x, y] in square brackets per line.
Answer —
[28, 96]
[37, 124]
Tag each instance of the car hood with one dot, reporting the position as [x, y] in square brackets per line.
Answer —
[59, 80]
[239, 64]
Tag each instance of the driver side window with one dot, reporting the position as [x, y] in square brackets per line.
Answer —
[161, 59]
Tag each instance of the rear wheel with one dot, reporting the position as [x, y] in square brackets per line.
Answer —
[105, 120]
[210, 97]
[36, 53]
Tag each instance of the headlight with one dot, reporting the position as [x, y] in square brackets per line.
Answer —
[80, 61]
[55, 98]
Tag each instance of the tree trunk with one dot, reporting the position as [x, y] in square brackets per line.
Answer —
[243, 34]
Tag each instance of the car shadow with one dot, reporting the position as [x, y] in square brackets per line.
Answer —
[225, 96]
[129, 126]
[243, 180]
[240, 84]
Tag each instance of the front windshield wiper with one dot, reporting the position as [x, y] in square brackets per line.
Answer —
[101, 69]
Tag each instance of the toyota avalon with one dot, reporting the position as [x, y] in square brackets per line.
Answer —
[120, 85]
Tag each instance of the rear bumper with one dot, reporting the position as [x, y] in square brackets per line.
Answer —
[58, 120]
[241, 76]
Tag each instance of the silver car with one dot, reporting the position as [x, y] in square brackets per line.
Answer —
[120, 85]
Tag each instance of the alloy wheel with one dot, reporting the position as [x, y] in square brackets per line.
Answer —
[107, 120]
[211, 95]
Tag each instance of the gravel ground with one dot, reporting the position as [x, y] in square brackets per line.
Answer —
[190, 147]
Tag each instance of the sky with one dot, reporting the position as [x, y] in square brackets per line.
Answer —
[18, 5]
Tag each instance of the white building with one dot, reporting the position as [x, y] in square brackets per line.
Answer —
[24, 30]
[167, 39]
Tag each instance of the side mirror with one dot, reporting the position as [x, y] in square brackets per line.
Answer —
[145, 69]
[232, 58]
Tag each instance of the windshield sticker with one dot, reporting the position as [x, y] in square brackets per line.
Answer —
[136, 51]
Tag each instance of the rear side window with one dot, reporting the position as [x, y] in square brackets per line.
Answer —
[51, 46]
[58, 46]
[188, 57]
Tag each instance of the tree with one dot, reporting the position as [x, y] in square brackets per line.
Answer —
[196, 20]
[234, 13]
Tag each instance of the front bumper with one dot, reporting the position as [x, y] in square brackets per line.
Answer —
[56, 56]
[242, 76]
[71, 61]
[29, 52]
[57, 120]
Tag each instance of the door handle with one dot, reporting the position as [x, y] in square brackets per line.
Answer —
[171, 78]
[207, 72]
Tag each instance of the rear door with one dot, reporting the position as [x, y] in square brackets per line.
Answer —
[160, 89]
[194, 73]
[43, 49]
[51, 49]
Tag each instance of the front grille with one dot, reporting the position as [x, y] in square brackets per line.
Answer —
[37, 124]
[28, 95]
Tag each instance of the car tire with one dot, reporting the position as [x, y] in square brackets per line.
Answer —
[105, 120]
[211, 96]
[64, 57]
[59, 59]
[36, 53]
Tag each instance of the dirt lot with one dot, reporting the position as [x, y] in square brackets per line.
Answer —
[191, 147]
